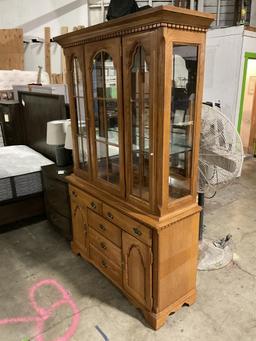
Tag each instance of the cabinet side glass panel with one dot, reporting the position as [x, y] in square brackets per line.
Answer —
[79, 100]
[184, 79]
[140, 115]
[106, 118]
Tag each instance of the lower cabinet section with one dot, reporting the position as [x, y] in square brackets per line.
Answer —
[158, 283]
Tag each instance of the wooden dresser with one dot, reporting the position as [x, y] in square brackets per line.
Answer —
[135, 87]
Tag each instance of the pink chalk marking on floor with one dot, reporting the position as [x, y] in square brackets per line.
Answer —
[44, 314]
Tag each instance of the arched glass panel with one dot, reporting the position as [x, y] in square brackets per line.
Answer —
[184, 77]
[140, 117]
[106, 118]
[79, 100]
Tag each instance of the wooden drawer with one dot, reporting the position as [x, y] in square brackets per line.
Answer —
[107, 229]
[56, 194]
[107, 248]
[131, 226]
[89, 201]
[105, 265]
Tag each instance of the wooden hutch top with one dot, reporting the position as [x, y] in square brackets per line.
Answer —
[161, 16]
[190, 26]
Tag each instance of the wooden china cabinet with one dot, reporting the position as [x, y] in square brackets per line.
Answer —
[135, 86]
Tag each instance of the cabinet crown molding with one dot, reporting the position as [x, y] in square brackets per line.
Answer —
[145, 20]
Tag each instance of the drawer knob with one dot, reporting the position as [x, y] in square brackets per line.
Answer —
[110, 216]
[137, 231]
[102, 227]
[104, 264]
[93, 205]
[103, 246]
[74, 194]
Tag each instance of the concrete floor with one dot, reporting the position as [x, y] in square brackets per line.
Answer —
[225, 308]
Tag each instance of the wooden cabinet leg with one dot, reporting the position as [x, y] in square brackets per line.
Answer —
[156, 321]
[75, 248]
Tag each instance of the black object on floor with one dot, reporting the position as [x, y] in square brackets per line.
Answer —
[119, 8]
[21, 223]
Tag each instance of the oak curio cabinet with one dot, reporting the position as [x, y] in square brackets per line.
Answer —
[135, 87]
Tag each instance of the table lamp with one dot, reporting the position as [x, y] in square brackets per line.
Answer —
[56, 134]
[68, 139]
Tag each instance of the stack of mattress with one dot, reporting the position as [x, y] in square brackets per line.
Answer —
[20, 172]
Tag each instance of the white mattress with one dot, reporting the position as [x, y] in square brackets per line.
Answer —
[20, 160]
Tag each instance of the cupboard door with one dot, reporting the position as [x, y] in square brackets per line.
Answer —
[182, 121]
[137, 273]
[79, 224]
[103, 67]
[139, 65]
[79, 112]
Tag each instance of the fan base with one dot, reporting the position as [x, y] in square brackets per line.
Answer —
[212, 257]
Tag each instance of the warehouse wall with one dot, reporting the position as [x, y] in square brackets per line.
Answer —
[227, 11]
[253, 14]
[224, 66]
[33, 16]
[249, 45]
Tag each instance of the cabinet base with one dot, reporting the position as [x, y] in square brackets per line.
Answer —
[155, 320]
[75, 249]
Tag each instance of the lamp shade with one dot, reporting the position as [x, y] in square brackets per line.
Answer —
[68, 140]
[55, 133]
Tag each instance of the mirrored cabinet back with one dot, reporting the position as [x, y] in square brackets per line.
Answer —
[135, 87]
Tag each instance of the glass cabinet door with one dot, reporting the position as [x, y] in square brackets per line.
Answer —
[106, 118]
[140, 125]
[103, 64]
[139, 67]
[81, 115]
[184, 85]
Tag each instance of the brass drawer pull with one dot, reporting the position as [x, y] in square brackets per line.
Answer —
[104, 264]
[110, 216]
[103, 246]
[137, 231]
[102, 227]
[93, 205]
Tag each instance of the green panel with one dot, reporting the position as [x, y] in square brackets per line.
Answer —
[247, 56]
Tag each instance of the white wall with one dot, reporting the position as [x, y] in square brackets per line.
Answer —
[222, 68]
[249, 45]
[253, 13]
[33, 16]
[248, 103]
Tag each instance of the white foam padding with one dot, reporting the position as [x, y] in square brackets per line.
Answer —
[8, 78]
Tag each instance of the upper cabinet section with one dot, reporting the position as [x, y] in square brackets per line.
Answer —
[135, 87]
